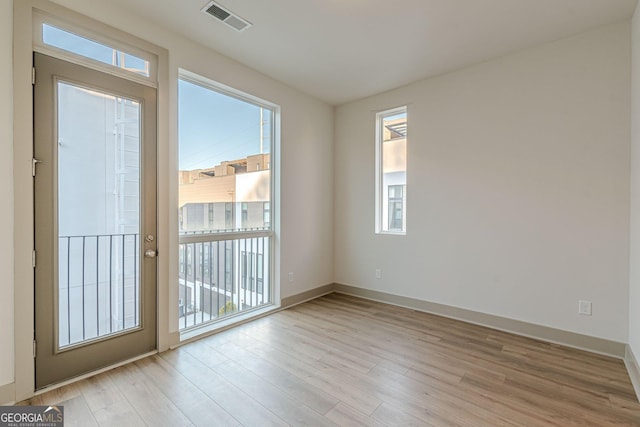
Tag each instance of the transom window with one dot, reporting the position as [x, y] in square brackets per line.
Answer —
[54, 37]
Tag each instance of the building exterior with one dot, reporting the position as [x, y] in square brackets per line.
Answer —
[234, 195]
[219, 277]
[394, 174]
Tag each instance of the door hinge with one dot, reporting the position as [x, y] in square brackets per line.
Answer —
[33, 259]
[33, 75]
[34, 349]
[34, 162]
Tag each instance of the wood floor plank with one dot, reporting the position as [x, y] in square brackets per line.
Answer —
[77, 413]
[344, 415]
[282, 404]
[107, 403]
[199, 408]
[243, 408]
[309, 395]
[392, 416]
[148, 400]
[342, 360]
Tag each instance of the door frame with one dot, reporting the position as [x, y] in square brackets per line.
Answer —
[23, 48]
[55, 364]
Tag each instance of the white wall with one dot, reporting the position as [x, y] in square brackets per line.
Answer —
[6, 192]
[634, 275]
[518, 181]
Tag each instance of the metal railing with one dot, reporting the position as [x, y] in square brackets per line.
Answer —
[99, 281]
[98, 286]
[221, 277]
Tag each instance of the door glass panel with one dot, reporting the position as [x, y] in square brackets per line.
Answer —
[98, 214]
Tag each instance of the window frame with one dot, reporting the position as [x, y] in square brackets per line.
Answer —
[380, 205]
[40, 18]
[232, 236]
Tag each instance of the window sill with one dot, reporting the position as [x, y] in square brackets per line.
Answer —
[211, 328]
[392, 233]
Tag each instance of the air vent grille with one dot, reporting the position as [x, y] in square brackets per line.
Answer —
[222, 14]
[217, 12]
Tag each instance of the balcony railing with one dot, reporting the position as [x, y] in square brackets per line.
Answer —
[220, 278]
[98, 286]
[99, 281]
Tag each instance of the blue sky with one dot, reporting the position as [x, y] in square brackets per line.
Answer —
[68, 41]
[215, 127]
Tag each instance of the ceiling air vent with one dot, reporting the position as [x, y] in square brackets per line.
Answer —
[226, 16]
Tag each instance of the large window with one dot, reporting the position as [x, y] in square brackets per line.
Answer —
[391, 171]
[225, 191]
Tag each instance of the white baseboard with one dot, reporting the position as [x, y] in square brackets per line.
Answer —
[633, 368]
[8, 394]
[300, 298]
[544, 333]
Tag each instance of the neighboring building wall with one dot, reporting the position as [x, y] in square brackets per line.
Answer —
[205, 199]
[518, 183]
[98, 158]
[196, 217]
[6, 193]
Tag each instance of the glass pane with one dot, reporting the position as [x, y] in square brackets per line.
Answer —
[394, 171]
[225, 162]
[98, 214]
[222, 277]
[82, 46]
[224, 185]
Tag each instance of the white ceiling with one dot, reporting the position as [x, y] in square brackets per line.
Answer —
[341, 50]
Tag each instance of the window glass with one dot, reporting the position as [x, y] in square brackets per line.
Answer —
[225, 193]
[65, 40]
[391, 171]
[225, 161]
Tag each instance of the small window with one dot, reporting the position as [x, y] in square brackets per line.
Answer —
[89, 47]
[210, 216]
[228, 216]
[266, 215]
[391, 171]
[244, 218]
[82, 46]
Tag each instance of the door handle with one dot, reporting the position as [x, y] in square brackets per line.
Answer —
[150, 253]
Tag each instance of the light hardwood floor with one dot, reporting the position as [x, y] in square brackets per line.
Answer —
[341, 360]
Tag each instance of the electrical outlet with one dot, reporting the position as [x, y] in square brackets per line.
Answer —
[291, 276]
[378, 273]
[584, 307]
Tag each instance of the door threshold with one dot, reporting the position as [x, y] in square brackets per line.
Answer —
[92, 373]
